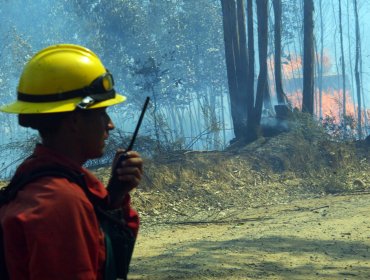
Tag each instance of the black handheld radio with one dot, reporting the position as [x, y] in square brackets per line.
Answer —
[115, 186]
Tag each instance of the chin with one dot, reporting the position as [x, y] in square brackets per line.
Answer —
[99, 155]
[96, 155]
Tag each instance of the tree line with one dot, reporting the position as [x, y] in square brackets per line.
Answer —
[247, 98]
[212, 68]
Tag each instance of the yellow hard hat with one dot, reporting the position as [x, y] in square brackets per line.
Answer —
[61, 78]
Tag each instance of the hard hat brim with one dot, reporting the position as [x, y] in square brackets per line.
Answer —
[22, 107]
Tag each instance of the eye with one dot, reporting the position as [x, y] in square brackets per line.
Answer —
[105, 116]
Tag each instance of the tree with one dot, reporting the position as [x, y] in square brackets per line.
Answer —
[281, 98]
[357, 72]
[308, 57]
[246, 107]
[126, 32]
[321, 64]
[342, 63]
[236, 61]
[251, 60]
[262, 17]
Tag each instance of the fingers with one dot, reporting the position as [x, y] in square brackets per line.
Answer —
[131, 168]
[120, 153]
[132, 159]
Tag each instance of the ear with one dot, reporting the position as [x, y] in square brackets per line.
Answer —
[73, 122]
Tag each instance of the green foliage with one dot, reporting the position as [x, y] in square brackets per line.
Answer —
[135, 36]
[305, 126]
[130, 31]
[335, 183]
[290, 23]
[345, 129]
[14, 54]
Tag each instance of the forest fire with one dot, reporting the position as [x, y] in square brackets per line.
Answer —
[292, 66]
[331, 103]
[330, 86]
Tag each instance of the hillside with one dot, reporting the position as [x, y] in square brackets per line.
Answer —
[294, 206]
[302, 163]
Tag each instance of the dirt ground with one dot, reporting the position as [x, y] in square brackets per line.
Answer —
[318, 238]
[296, 206]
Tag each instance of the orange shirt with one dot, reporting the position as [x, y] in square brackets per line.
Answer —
[50, 228]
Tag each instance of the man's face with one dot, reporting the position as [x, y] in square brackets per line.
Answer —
[94, 127]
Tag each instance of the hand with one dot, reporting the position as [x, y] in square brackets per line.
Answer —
[126, 175]
[129, 171]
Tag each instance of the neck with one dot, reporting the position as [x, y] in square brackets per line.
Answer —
[65, 146]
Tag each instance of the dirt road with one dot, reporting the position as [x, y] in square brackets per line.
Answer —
[321, 238]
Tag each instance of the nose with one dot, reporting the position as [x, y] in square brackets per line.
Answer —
[110, 124]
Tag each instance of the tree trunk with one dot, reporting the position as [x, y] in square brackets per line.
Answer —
[236, 62]
[250, 78]
[350, 57]
[308, 58]
[253, 124]
[242, 71]
[228, 10]
[321, 59]
[357, 73]
[267, 103]
[262, 17]
[365, 115]
[343, 64]
[281, 98]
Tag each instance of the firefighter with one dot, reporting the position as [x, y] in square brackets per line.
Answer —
[50, 228]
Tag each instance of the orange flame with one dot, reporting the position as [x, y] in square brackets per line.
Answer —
[332, 99]
[292, 66]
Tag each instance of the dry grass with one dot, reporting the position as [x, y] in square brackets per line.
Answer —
[184, 186]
